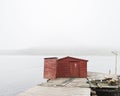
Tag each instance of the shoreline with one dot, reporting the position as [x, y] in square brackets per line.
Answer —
[60, 87]
[64, 86]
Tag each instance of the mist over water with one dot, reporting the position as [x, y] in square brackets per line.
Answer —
[18, 73]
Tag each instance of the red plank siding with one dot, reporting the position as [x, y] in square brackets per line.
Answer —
[65, 67]
[50, 68]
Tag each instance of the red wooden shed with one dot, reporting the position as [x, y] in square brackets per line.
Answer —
[65, 67]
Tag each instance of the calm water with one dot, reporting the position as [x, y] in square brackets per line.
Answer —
[18, 73]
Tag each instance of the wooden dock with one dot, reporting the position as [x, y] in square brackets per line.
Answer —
[60, 87]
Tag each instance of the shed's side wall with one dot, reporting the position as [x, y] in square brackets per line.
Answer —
[50, 68]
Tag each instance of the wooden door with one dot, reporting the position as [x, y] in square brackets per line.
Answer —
[74, 69]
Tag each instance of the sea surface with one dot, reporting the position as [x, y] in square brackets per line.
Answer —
[20, 72]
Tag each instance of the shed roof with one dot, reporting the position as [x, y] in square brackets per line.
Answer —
[51, 58]
[73, 58]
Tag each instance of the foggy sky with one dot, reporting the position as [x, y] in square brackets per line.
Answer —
[60, 24]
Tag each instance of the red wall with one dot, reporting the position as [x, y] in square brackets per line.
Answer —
[50, 68]
[83, 69]
[65, 67]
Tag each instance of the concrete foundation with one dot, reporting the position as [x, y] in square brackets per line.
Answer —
[60, 87]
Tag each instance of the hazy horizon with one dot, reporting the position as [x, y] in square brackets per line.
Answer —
[61, 51]
[26, 26]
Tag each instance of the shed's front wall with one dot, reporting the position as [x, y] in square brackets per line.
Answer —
[63, 68]
[70, 67]
[83, 69]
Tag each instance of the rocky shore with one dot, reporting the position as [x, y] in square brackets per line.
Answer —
[65, 86]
